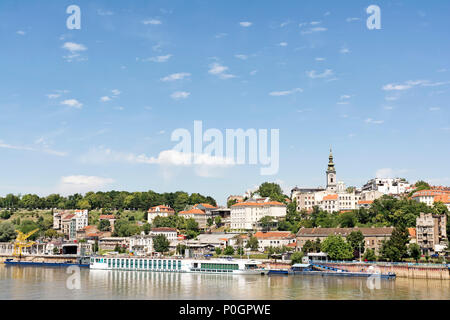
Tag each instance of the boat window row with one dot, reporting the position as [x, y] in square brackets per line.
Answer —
[143, 264]
[219, 266]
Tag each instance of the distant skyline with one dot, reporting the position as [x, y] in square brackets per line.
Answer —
[94, 109]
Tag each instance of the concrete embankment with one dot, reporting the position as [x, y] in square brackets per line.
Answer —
[437, 272]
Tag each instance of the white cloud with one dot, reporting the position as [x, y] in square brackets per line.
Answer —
[434, 109]
[53, 95]
[82, 184]
[283, 44]
[352, 19]
[241, 56]
[313, 30]
[73, 103]
[119, 108]
[390, 98]
[253, 72]
[105, 99]
[115, 92]
[411, 84]
[178, 95]
[314, 75]
[158, 58]
[220, 35]
[203, 164]
[176, 76]
[345, 96]
[314, 23]
[42, 148]
[285, 93]
[152, 22]
[74, 47]
[344, 51]
[320, 59]
[219, 70]
[21, 33]
[245, 24]
[372, 121]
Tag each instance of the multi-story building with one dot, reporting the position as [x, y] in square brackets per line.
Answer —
[246, 215]
[69, 223]
[141, 245]
[431, 232]
[162, 211]
[198, 215]
[429, 197]
[109, 217]
[170, 233]
[373, 237]
[274, 239]
[387, 185]
[110, 243]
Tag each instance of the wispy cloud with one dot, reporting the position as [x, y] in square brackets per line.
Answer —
[75, 50]
[40, 148]
[102, 12]
[352, 19]
[344, 50]
[286, 92]
[152, 22]
[313, 30]
[178, 95]
[21, 32]
[73, 103]
[176, 76]
[372, 121]
[241, 56]
[411, 84]
[219, 70]
[313, 74]
[220, 35]
[283, 44]
[245, 24]
[82, 184]
[158, 59]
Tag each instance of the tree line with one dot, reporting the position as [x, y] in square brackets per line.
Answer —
[111, 200]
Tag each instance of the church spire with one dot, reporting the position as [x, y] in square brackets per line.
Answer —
[330, 162]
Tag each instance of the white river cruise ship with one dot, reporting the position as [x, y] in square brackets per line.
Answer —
[216, 266]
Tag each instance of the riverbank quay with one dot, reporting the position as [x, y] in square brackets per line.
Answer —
[402, 270]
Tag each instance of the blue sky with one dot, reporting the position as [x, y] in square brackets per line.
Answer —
[80, 109]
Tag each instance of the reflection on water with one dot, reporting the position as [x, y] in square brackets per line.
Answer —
[50, 283]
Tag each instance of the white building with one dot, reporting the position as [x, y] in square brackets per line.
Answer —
[275, 239]
[387, 185]
[246, 215]
[141, 245]
[170, 233]
[429, 197]
[161, 211]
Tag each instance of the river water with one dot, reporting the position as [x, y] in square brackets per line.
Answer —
[54, 283]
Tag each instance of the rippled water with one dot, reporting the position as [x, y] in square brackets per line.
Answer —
[51, 283]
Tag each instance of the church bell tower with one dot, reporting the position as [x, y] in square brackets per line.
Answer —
[331, 174]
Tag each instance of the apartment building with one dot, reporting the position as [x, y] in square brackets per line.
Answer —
[161, 211]
[431, 233]
[246, 215]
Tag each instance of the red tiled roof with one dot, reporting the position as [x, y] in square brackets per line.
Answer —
[310, 232]
[192, 211]
[331, 197]
[164, 229]
[365, 201]
[206, 205]
[442, 198]
[292, 245]
[274, 235]
[430, 193]
[107, 216]
[161, 209]
[258, 204]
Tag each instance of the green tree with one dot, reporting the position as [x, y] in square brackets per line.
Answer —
[266, 223]
[7, 232]
[414, 251]
[271, 190]
[231, 202]
[218, 251]
[369, 255]
[296, 257]
[160, 243]
[356, 241]
[180, 249]
[337, 248]
[104, 225]
[209, 222]
[252, 243]
[218, 221]
[395, 248]
[229, 251]
[51, 233]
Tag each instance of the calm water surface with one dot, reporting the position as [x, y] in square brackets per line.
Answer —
[50, 283]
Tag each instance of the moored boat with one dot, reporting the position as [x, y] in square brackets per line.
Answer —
[215, 266]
